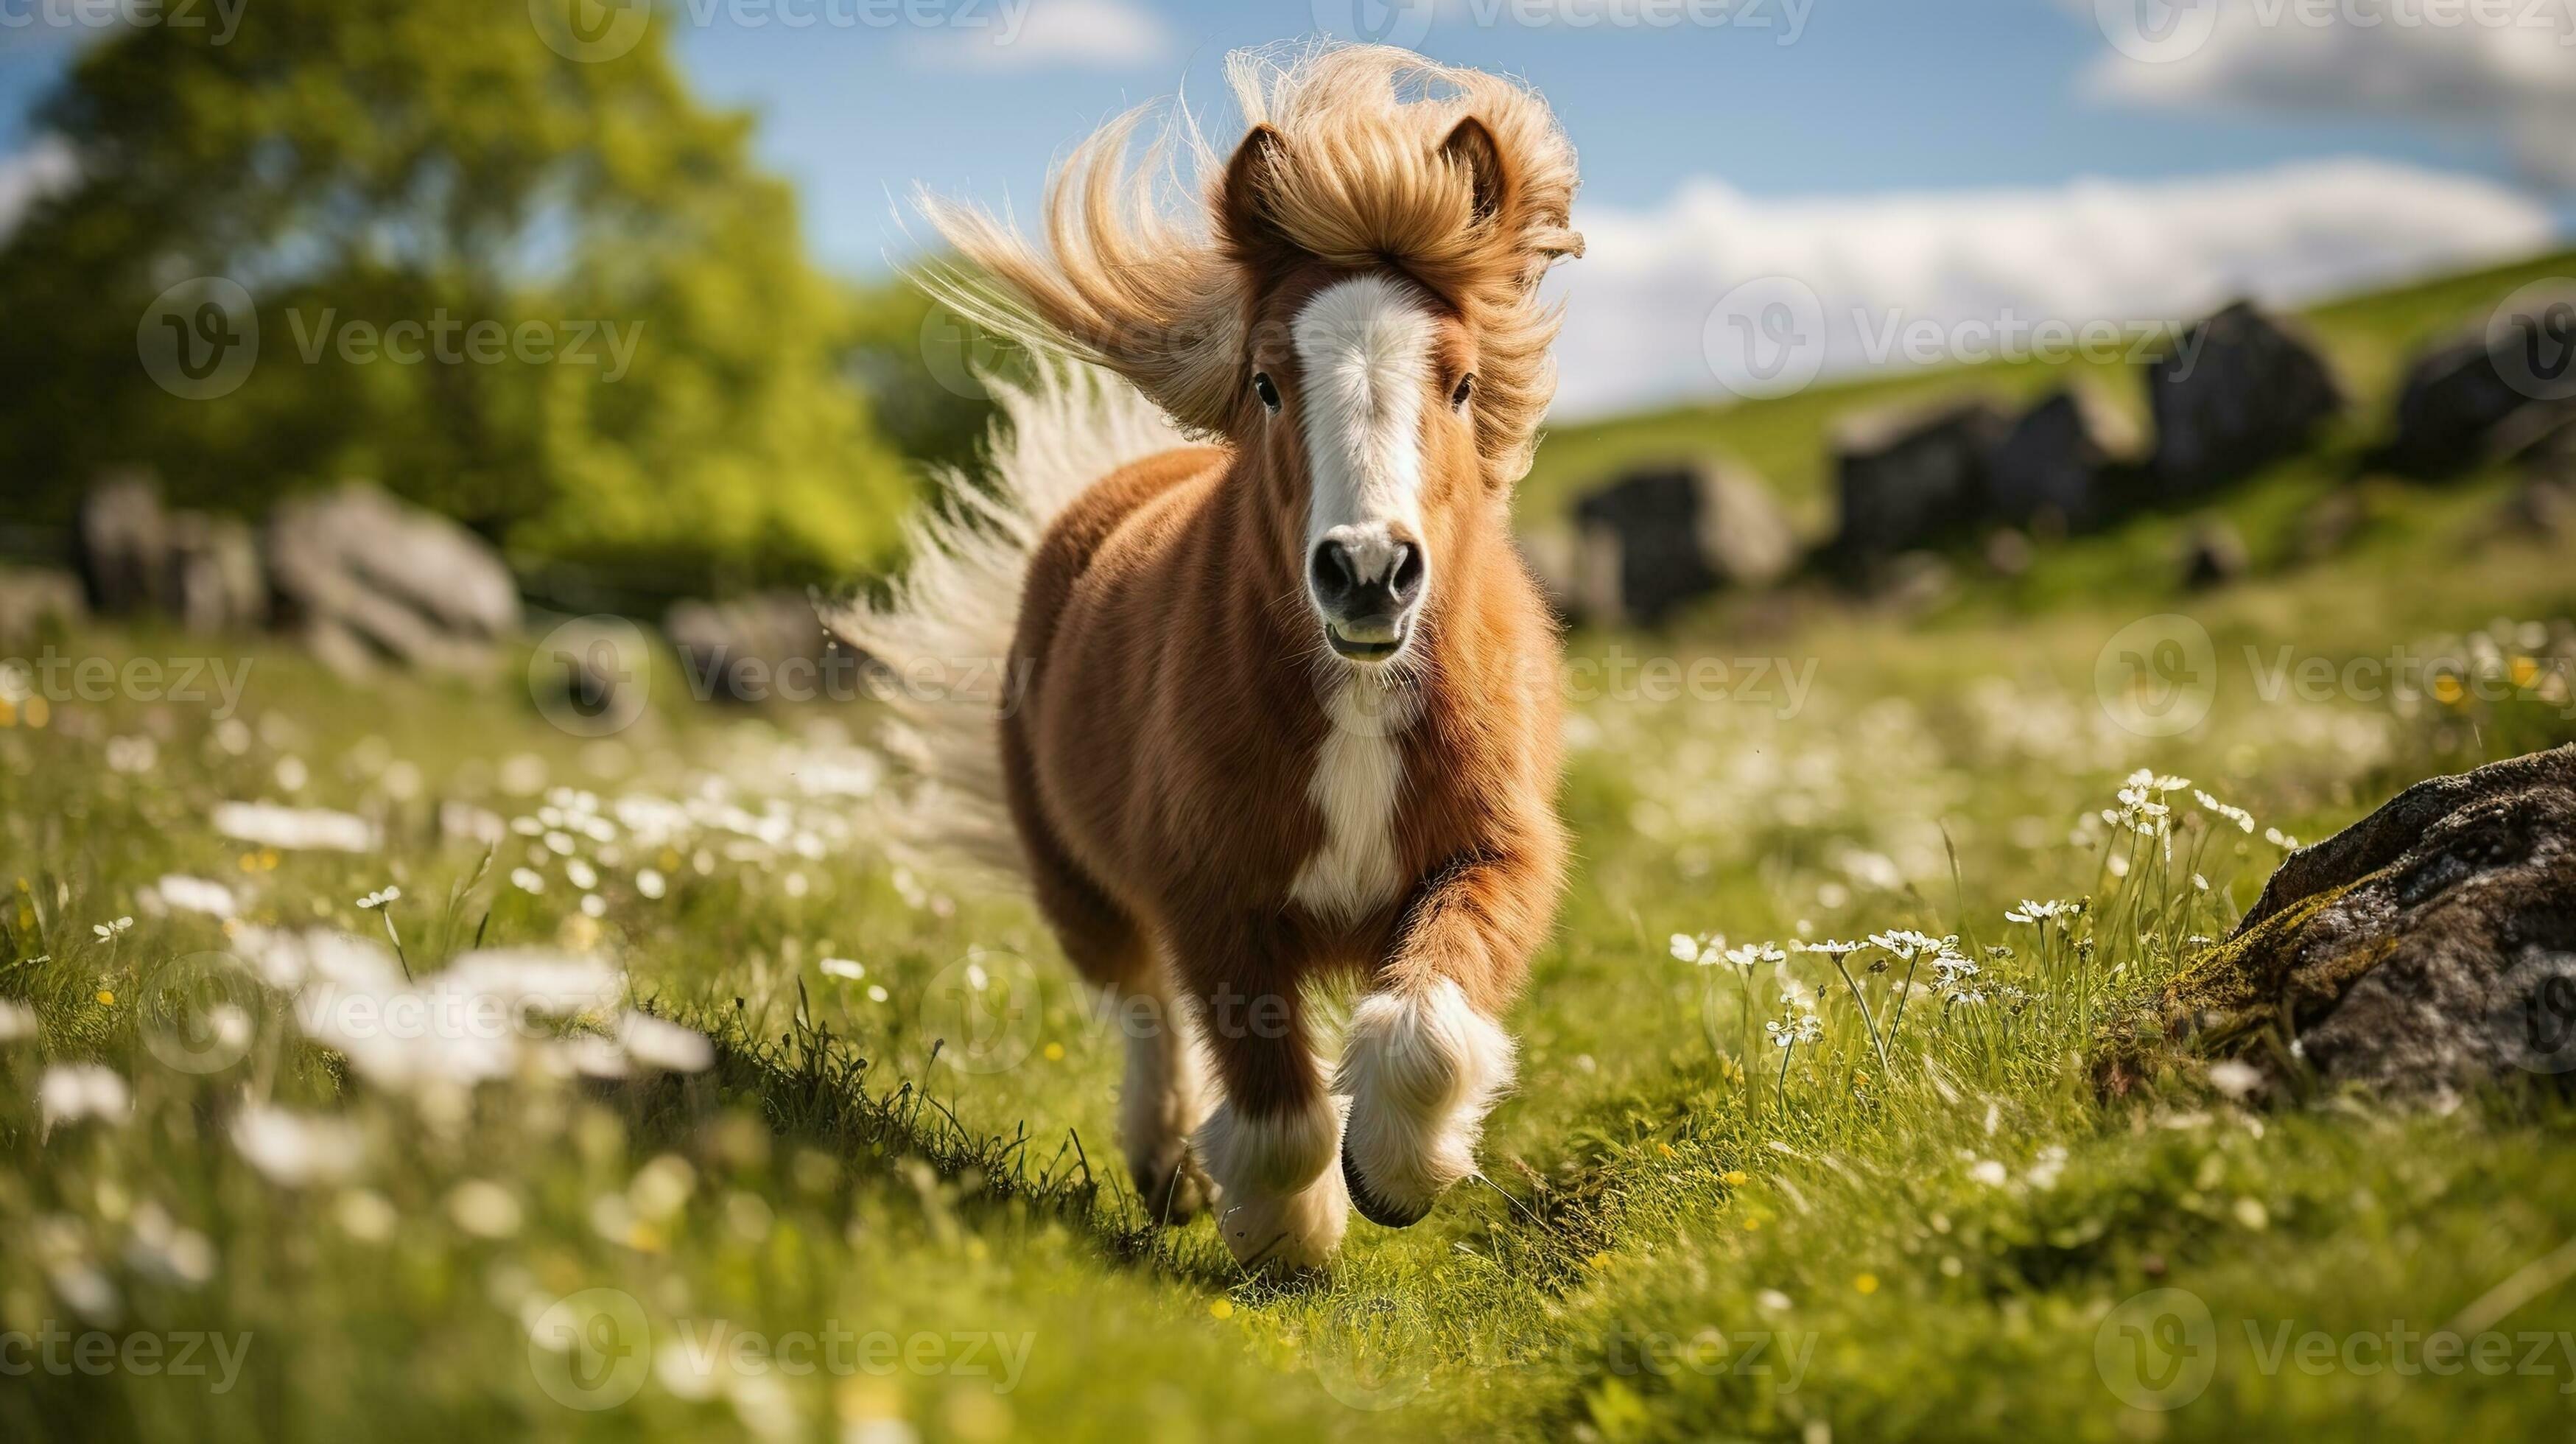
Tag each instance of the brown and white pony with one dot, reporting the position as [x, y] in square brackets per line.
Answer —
[1283, 702]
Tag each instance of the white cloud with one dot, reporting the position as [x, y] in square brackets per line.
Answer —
[42, 169]
[2504, 65]
[1640, 302]
[1051, 34]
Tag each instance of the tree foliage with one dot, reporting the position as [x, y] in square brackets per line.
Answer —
[359, 164]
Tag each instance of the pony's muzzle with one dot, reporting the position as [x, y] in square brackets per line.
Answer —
[1367, 583]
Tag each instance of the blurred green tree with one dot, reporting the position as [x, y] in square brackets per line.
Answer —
[380, 176]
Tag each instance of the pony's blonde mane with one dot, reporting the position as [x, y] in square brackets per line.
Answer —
[1142, 282]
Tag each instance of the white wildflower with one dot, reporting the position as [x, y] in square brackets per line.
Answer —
[2235, 1078]
[17, 1022]
[181, 893]
[655, 1043]
[2244, 820]
[110, 932]
[484, 1208]
[844, 968]
[295, 1149]
[380, 897]
[70, 1092]
[294, 829]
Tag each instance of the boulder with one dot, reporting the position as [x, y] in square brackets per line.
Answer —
[122, 544]
[1661, 536]
[2051, 467]
[363, 576]
[1909, 475]
[2424, 952]
[769, 647]
[2239, 390]
[33, 599]
[214, 581]
[2214, 555]
[2452, 410]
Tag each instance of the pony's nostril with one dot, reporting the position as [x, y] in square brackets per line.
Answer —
[1335, 577]
[1407, 578]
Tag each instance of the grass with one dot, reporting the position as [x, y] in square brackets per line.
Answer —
[889, 1205]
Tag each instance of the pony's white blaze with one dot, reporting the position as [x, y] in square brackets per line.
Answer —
[1364, 349]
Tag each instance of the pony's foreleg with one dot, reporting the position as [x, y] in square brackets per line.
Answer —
[1163, 1098]
[1425, 1059]
[1270, 1146]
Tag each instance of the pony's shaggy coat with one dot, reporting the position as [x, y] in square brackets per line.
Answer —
[1212, 807]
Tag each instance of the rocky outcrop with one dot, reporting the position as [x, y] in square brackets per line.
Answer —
[364, 577]
[1659, 537]
[2239, 390]
[1908, 476]
[2052, 469]
[2490, 395]
[2425, 951]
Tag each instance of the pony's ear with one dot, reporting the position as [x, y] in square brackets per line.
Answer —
[1250, 225]
[1471, 148]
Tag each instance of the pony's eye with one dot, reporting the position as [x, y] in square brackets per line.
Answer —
[1466, 388]
[1269, 393]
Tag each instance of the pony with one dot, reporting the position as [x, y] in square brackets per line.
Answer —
[1281, 707]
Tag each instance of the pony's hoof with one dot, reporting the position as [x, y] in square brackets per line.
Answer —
[1374, 1208]
[1173, 1192]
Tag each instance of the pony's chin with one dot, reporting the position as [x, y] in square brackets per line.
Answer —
[1373, 650]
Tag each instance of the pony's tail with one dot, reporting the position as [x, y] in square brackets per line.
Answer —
[942, 633]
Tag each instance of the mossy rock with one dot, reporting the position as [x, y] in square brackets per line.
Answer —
[2426, 951]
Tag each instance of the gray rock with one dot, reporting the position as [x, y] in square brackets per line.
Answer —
[769, 647]
[2050, 468]
[214, 582]
[33, 599]
[1662, 536]
[1911, 475]
[2425, 951]
[122, 537]
[361, 576]
[2240, 390]
[2452, 408]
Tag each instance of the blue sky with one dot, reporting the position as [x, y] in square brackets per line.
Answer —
[1950, 161]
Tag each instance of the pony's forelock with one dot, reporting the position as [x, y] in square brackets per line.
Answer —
[1135, 276]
